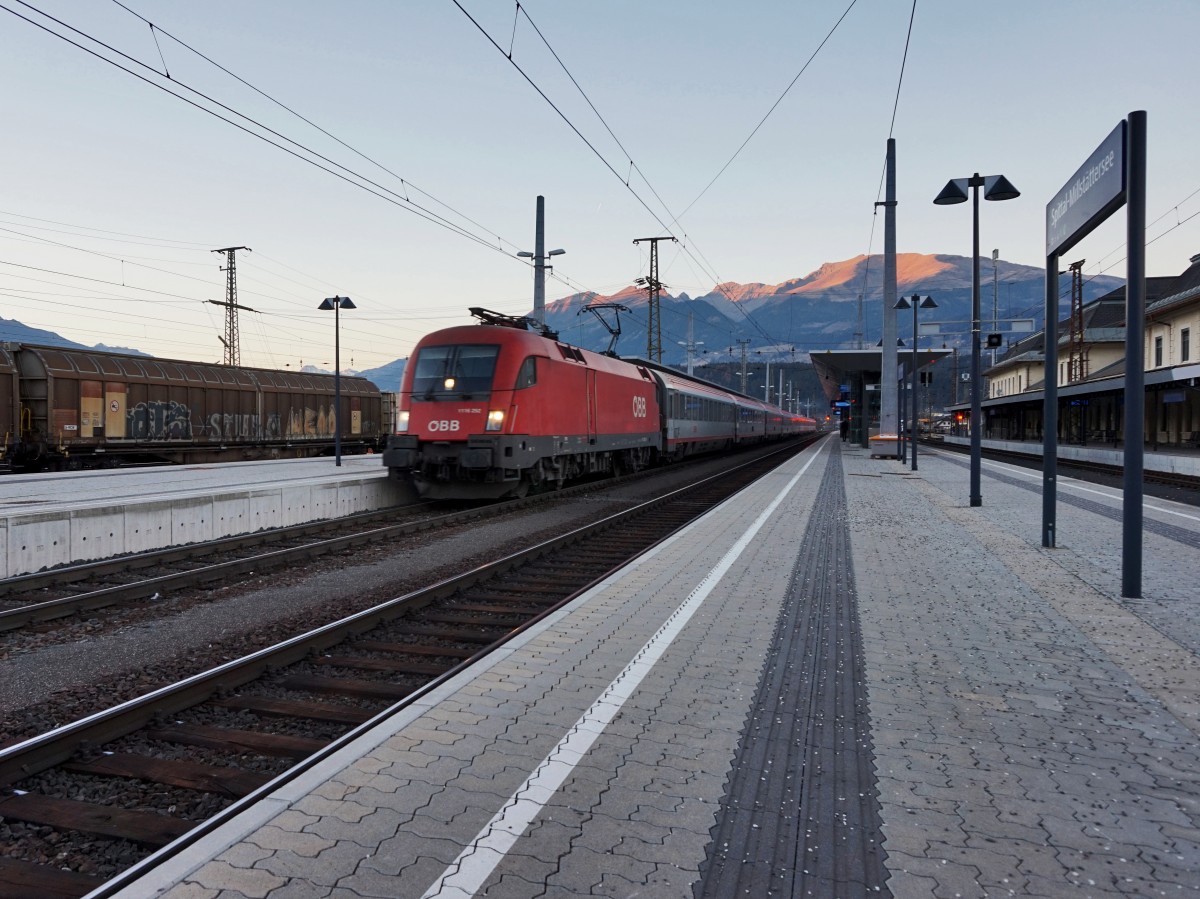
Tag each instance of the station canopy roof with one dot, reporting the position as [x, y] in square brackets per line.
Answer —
[834, 367]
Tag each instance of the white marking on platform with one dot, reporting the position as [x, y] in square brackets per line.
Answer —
[1074, 484]
[467, 873]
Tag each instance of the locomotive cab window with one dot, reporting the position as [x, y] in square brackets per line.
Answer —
[455, 372]
[527, 376]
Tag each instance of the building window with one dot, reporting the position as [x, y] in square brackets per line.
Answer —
[1185, 344]
[1158, 352]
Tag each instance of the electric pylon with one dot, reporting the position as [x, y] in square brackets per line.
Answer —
[653, 286]
[233, 352]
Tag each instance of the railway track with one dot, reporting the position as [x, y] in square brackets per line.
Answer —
[1176, 487]
[99, 796]
[34, 600]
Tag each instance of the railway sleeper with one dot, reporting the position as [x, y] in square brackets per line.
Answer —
[391, 666]
[228, 739]
[292, 708]
[221, 781]
[27, 879]
[499, 622]
[148, 828]
[450, 652]
[344, 686]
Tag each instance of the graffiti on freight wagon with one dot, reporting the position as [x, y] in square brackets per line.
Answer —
[159, 421]
[169, 420]
[231, 426]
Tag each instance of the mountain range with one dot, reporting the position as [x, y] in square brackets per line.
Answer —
[820, 310]
[783, 322]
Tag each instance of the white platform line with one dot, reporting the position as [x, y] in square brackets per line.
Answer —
[467, 873]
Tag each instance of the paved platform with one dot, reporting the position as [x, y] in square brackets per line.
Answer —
[1030, 732]
[58, 518]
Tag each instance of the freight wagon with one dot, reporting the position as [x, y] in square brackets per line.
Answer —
[67, 408]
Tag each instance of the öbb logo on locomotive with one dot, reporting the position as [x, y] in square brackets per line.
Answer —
[581, 413]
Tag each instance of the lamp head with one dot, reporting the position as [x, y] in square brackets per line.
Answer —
[955, 191]
[903, 303]
[525, 253]
[997, 187]
[927, 303]
[556, 252]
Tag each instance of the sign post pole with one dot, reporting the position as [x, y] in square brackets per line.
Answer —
[1112, 177]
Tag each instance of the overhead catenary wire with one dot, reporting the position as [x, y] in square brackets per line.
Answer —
[566, 119]
[774, 105]
[144, 240]
[349, 176]
[632, 165]
[403, 181]
[346, 174]
[141, 239]
[487, 242]
[491, 40]
[688, 245]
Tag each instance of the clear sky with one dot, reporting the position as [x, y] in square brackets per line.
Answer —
[109, 178]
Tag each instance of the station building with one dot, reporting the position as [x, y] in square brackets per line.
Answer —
[1091, 373]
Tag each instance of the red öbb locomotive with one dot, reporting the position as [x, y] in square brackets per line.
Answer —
[493, 409]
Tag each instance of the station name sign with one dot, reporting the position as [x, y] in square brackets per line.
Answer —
[1092, 194]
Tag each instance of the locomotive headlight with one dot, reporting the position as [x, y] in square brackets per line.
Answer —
[402, 423]
[495, 420]
[448, 384]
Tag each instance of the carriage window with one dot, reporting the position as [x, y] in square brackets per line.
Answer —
[461, 372]
[527, 376]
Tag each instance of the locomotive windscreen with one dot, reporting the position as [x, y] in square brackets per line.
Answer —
[454, 372]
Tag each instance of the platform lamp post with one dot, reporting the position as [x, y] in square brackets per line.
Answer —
[539, 278]
[337, 304]
[917, 302]
[995, 187]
